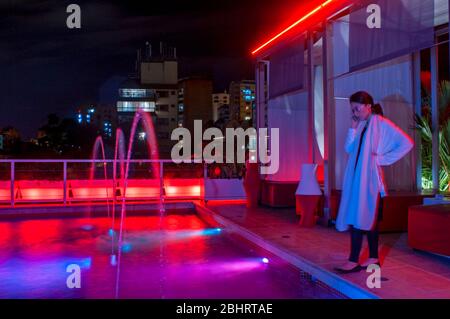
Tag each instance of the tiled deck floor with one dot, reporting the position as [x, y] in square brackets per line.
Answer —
[409, 273]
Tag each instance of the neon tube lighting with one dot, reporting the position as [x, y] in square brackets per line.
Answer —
[293, 25]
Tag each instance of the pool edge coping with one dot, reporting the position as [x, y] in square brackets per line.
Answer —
[343, 286]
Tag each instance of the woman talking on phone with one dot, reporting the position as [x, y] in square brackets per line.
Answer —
[372, 141]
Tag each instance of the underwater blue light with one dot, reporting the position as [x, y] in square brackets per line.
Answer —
[111, 232]
[83, 263]
[211, 231]
[126, 248]
[86, 263]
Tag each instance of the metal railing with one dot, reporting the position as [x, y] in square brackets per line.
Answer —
[198, 173]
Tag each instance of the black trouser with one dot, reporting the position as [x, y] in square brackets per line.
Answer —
[356, 244]
[372, 238]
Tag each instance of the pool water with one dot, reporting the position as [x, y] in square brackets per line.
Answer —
[179, 256]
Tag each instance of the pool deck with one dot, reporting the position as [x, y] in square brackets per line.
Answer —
[405, 273]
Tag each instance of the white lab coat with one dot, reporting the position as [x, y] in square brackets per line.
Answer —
[384, 144]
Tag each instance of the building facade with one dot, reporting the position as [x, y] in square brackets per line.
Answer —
[103, 117]
[242, 100]
[155, 90]
[194, 101]
[219, 99]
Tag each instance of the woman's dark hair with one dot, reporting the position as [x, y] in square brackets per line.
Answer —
[377, 109]
[362, 97]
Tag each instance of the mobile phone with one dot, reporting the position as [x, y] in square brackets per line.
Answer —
[355, 118]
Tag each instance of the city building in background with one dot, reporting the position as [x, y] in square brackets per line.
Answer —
[152, 88]
[242, 100]
[106, 119]
[85, 115]
[223, 117]
[194, 101]
[10, 139]
[103, 117]
[219, 99]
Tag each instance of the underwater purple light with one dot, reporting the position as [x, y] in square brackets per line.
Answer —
[113, 260]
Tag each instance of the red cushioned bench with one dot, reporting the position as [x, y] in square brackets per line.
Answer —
[429, 228]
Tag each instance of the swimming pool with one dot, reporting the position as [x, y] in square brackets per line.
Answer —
[178, 256]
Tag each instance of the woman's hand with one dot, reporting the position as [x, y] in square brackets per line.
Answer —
[355, 121]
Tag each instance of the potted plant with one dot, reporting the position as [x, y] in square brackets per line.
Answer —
[423, 125]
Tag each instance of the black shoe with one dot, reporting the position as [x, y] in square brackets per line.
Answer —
[357, 268]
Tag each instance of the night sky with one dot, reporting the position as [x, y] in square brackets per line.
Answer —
[46, 67]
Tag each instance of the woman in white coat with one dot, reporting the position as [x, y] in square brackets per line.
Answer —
[372, 141]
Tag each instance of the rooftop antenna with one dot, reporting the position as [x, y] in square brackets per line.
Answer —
[138, 60]
[148, 50]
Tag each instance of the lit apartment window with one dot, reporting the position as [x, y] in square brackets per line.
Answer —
[247, 97]
[133, 106]
[135, 93]
[107, 129]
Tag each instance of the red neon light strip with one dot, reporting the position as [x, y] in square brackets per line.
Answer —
[293, 25]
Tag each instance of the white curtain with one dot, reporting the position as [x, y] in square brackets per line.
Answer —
[405, 26]
[286, 68]
[289, 113]
[340, 34]
[390, 84]
[318, 115]
[440, 12]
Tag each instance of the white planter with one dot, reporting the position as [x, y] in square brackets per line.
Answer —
[308, 184]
